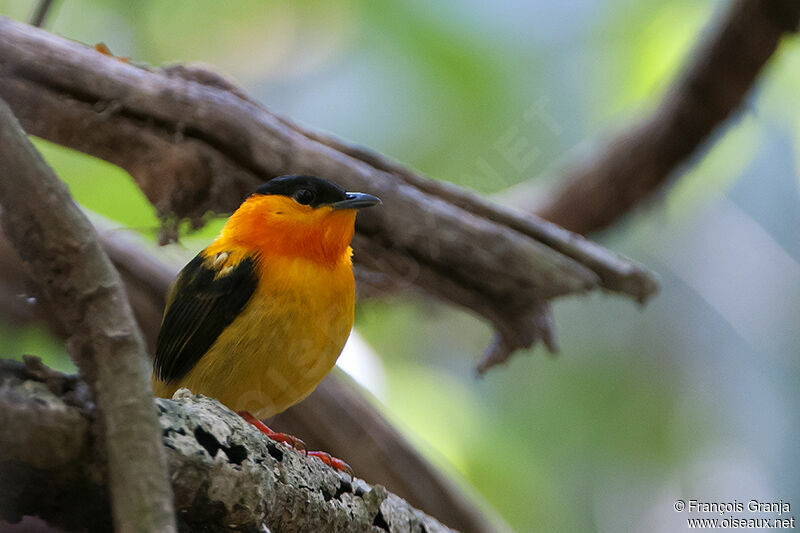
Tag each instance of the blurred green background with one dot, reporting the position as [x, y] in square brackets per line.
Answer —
[695, 397]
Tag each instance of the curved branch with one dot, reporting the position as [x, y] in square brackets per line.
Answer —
[194, 143]
[225, 474]
[725, 65]
[61, 252]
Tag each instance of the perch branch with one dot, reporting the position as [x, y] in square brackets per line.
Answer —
[194, 143]
[714, 83]
[336, 417]
[226, 476]
[61, 252]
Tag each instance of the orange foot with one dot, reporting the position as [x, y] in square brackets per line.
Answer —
[332, 461]
[296, 443]
[103, 49]
[291, 440]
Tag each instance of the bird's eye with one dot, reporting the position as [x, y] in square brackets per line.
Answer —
[304, 196]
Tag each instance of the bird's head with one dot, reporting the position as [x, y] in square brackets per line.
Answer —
[297, 215]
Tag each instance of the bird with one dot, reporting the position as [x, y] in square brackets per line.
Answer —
[258, 318]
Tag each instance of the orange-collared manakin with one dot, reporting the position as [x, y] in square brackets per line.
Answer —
[259, 317]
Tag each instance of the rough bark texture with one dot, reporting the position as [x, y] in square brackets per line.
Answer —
[226, 476]
[336, 418]
[61, 252]
[194, 143]
[721, 71]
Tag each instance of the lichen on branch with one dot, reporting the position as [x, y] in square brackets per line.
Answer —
[225, 474]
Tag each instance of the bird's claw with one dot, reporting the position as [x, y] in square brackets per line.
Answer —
[333, 462]
[285, 438]
[297, 444]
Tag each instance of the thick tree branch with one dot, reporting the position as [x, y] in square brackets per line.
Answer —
[194, 143]
[714, 83]
[61, 252]
[336, 417]
[226, 475]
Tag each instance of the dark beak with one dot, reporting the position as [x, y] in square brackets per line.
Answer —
[357, 200]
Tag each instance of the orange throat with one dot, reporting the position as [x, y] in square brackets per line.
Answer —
[277, 225]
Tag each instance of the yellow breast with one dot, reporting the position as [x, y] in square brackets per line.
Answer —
[283, 343]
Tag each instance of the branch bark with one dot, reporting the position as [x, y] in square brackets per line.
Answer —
[726, 63]
[226, 475]
[60, 249]
[194, 143]
[337, 417]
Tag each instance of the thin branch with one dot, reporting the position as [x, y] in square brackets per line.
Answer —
[337, 417]
[60, 249]
[194, 143]
[712, 86]
[225, 474]
[41, 12]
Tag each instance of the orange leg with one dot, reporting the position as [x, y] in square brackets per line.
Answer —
[291, 440]
[333, 462]
[296, 443]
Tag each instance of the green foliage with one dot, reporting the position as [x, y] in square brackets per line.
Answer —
[34, 340]
[101, 187]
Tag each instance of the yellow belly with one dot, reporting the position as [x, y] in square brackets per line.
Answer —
[283, 343]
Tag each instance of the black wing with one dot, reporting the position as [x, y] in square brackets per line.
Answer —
[203, 301]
